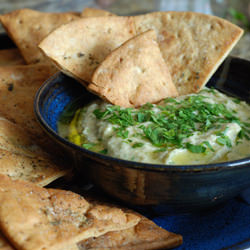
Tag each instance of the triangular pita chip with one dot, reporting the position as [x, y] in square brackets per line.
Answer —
[134, 74]
[37, 218]
[18, 86]
[192, 44]
[145, 235]
[10, 57]
[38, 170]
[21, 158]
[28, 27]
[92, 12]
[80, 46]
[15, 139]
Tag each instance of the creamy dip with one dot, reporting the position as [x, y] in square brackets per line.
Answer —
[200, 128]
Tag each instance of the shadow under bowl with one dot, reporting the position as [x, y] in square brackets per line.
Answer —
[183, 188]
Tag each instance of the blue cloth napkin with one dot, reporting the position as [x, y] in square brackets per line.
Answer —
[224, 227]
[245, 195]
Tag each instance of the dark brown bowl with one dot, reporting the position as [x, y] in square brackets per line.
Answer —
[186, 187]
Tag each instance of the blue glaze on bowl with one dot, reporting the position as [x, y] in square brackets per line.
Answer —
[180, 187]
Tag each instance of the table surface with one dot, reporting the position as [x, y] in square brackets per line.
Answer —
[226, 227]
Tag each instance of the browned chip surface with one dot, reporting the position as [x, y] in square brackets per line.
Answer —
[4, 245]
[37, 218]
[134, 74]
[146, 235]
[21, 158]
[192, 44]
[92, 12]
[10, 57]
[80, 46]
[28, 27]
[15, 139]
[36, 169]
[18, 86]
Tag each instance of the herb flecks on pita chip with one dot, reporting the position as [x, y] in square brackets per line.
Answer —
[15, 139]
[18, 86]
[92, 12]
[37, 218]
[80, 46]
[145, 235]
[11, 57]
[134, 74]
[192, 44]
[21, 158]
[28, 27]
[41, 171]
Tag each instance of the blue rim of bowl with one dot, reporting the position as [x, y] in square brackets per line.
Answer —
[245, 162]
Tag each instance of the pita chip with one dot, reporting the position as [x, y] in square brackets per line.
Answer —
[15, 139]
[192, 44]
[41, 171]
[10, 57]
[4, 245]
[28, 27]
[18, 86]
[146, 235]
[21, 158]
[33, 218]
[92, 12]
[134, 74]
[80, 46]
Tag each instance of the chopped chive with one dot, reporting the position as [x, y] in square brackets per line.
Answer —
[224, 140]
[195, 148]
[104, 151]
[137, 145]
[208, 145]
[236, 100]
[88, 145]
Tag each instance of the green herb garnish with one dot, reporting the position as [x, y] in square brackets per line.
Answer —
[224, 140]
[208, 145]
[195, 148]
[237, 101]
[88, 145]
[174, 122]
[137, 145]
[239, 18]
[104, 151]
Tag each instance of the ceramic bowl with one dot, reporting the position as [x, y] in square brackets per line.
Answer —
[186, 187]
